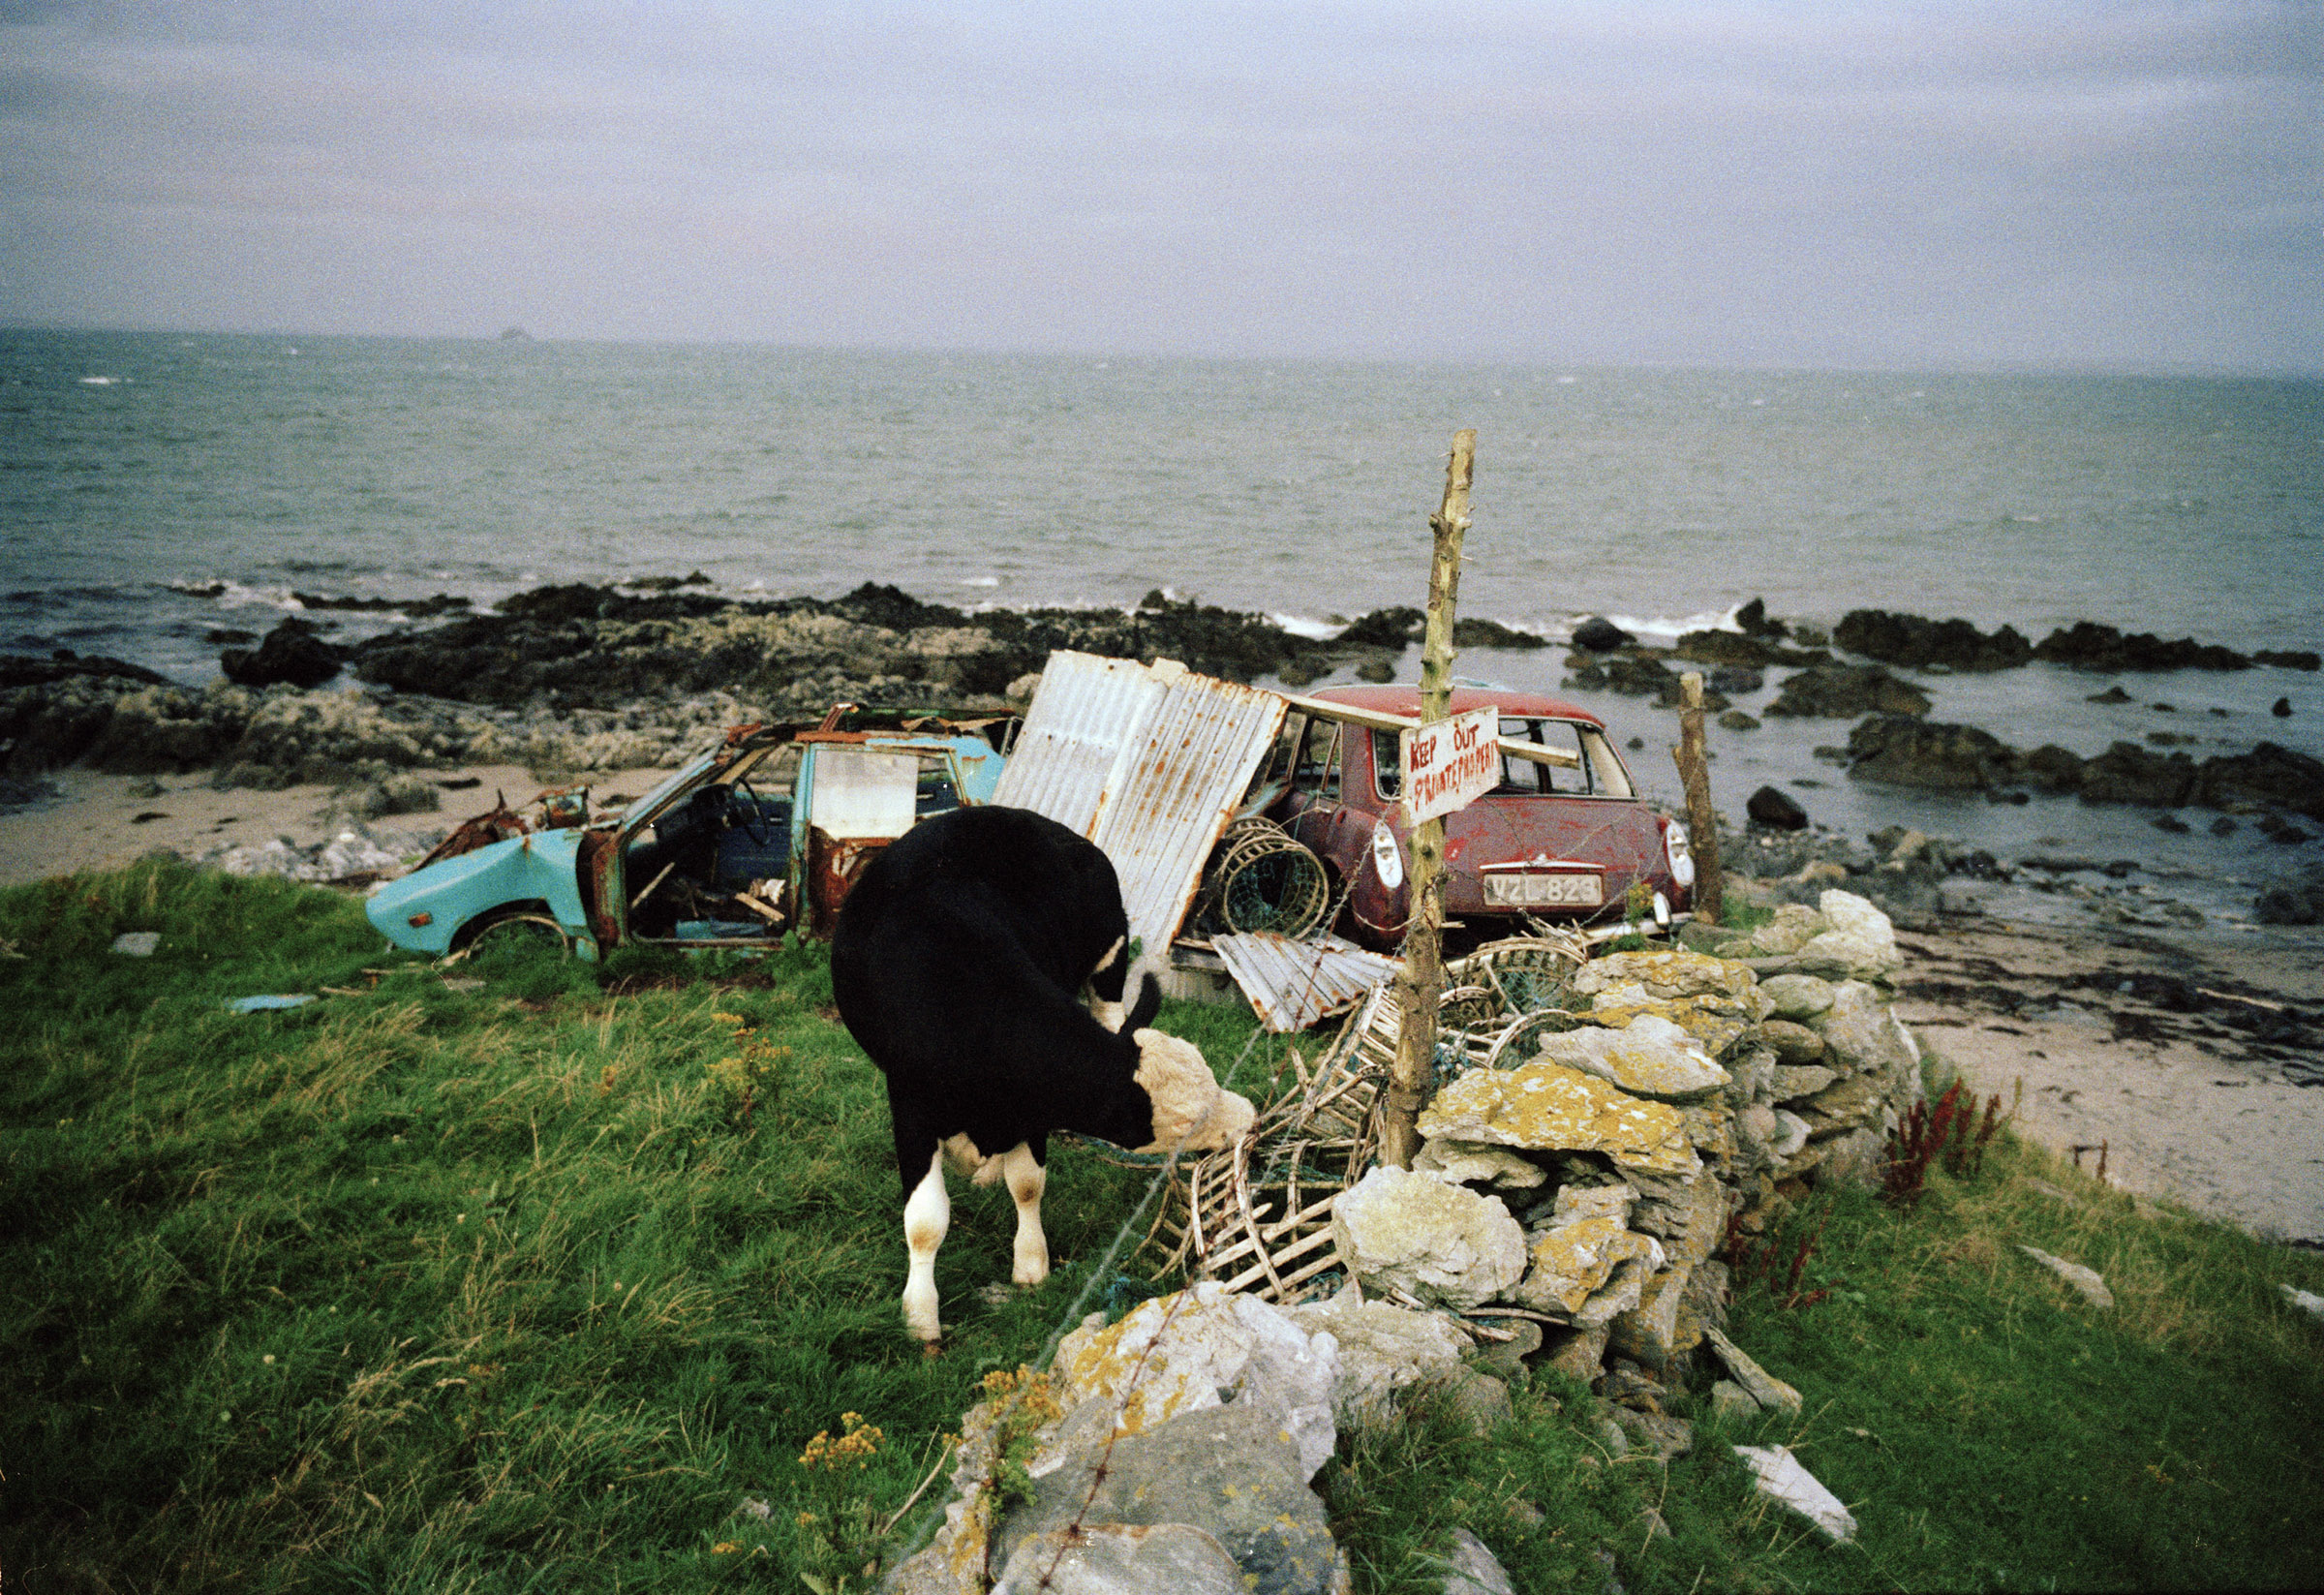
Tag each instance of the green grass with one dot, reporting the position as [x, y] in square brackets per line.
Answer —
[533, 1285]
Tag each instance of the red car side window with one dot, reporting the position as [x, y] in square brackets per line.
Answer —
[1318, 768]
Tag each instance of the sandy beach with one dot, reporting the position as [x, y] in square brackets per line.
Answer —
[97, 822]
[2190, 1059]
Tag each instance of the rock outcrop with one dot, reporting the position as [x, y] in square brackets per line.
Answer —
[1841, 692]
[1901, 750]
[1910, 640]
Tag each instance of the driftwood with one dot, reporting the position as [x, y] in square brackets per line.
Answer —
[1422, 981]
[1702, 823]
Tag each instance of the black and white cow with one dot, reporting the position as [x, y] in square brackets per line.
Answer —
[959, 964]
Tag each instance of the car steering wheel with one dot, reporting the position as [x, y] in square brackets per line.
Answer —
[746, 817]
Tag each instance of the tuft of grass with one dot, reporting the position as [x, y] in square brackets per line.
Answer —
[551, 1280]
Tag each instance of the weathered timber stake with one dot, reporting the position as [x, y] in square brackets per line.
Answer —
[1702, 825]
[1422, 985]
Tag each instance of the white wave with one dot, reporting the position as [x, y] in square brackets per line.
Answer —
[1567, 381]
[99, 382]
[983, 581]
[238, 597]
[1302, 626]
[1664, 626]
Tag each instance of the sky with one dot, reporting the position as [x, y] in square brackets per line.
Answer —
[2032, 184]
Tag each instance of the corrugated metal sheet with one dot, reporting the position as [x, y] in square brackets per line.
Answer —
[1077, 738]
[1292, 984]
[1199, 749]
[1149, 763]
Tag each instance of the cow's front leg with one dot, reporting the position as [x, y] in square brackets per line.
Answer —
[1026, 1180]
[926, 1218]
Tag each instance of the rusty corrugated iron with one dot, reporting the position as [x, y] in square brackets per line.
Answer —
[1291, 984]
[1078, 736]
[1196, 754]
[1148, 762]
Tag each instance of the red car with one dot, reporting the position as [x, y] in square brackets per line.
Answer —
[1564, 837]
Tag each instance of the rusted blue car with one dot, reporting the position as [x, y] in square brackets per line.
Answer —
[759, 835]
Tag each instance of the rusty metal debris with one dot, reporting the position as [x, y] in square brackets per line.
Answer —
[758, 835]
[1294, 983]
[498, 823]
[1148, 762]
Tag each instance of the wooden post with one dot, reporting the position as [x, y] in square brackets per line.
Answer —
[1422, 986]
[1703, 821]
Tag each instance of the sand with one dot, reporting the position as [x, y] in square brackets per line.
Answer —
[2193, 1105]
[94, 824]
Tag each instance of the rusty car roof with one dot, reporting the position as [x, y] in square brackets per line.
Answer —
[1406, 700]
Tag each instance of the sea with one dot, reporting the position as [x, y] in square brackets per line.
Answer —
[156, 488]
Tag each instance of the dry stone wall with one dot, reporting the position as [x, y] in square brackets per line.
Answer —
[1591, 1181]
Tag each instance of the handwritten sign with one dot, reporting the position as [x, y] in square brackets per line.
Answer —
[1450, 764]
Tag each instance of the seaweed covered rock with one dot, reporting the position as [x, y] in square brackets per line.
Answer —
[291, 655]
[1600, 635]
[1899, 751]
[2270, 773]
[2088, 646]
[2296, 900]
[1911, 640]
[1839, 691]
[2127, 773]
[1775, 810]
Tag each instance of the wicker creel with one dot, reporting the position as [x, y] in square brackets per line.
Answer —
[1257, 1216]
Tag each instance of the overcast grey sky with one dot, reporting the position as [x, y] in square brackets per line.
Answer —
[2080, 184]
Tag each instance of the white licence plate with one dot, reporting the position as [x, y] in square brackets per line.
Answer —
[1539, 891]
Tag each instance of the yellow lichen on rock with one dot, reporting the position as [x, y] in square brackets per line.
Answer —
[1572, 1260]
[1651, 1057]
[1666, 974]
[1548, 1107]
[1716, 1023]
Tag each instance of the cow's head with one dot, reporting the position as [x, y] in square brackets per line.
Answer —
[1192, 1111]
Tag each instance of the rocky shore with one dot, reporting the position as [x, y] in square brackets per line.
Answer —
[573, 678]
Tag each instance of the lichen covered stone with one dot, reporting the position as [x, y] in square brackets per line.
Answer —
[1860, 946]
[1470, 1162]
[1573, 1261]
[1397, 1230]
[1796, 997]
[1548, 1107]
[1650, 1056]
[1666, 974]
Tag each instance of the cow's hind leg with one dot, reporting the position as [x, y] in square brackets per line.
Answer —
[926, 1218]
[1027, 1180]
